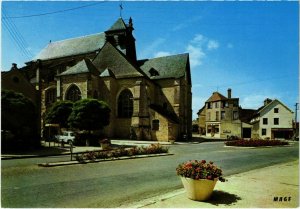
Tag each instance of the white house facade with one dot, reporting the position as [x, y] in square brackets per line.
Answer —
[274, 120]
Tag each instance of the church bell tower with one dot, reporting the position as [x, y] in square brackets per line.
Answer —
[120, 36]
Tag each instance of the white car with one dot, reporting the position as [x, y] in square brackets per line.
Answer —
[66, 137]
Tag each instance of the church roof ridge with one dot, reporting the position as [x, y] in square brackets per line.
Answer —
[72, 46]
[78, 37]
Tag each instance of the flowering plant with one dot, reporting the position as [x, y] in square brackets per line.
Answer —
[199, 170]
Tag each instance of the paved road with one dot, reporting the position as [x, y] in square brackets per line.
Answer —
[114, 183]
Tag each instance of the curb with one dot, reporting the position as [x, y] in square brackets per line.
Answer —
[31, 156]
[37, 156]
[101, 160]
[245, 147]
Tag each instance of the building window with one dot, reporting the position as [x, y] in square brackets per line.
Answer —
[125, 104]
[208, 105]
[276, 110]
[216, 104]
[263, 132]
[50, 96]
[73, 94]
[235, 115]
[224, 104]
[235, 103]
[276, 121]
[265, 121]
[217, 115]
[155, 125]
[222, 115]
[208, 116]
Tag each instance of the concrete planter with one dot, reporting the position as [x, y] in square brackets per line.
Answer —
[199, 190]
[172, 141]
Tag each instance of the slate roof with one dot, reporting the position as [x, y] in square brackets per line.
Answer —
[74, 46]
[167, 67]
[107, 73]
[118, 25]
[84, 66]
[216, 97]
[272, 103]
[247, 114]
[116, 62]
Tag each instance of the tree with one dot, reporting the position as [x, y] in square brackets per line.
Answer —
[59, 113]
[89, 114]
[20, 118]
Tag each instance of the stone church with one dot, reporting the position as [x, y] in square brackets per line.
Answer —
[149, 98]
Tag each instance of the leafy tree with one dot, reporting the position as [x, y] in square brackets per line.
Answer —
[19, 117]
[59, 113]
[89, 114]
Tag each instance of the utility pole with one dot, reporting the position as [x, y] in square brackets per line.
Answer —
[296, 132]
[296, 108]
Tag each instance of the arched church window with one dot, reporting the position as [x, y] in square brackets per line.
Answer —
[73, 94]
[125, 104]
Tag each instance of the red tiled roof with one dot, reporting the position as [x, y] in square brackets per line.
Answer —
[216, 97]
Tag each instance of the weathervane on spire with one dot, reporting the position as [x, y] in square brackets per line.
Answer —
[121, 8]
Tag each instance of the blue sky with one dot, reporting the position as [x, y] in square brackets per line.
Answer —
[250, 47]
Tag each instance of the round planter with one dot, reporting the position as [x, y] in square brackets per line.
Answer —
[199, 190]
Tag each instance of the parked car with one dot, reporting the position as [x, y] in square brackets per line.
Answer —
[66, 137]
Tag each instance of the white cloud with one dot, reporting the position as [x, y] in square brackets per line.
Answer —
[255, 101]
[198, 39]
[152, 47]
[196, 55]
[187, 23]
[212, 44]
[162, 54]
[197, 48]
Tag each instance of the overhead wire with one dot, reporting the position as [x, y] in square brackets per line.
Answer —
[19, 36]
[16, 36]
[54, 12]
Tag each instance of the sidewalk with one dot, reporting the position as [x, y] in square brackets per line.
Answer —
[271, 187]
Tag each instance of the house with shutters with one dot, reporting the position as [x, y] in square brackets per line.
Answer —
[149, 98]
[221, 116]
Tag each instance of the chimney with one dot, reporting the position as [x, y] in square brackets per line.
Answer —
[267, 101]
[14, 66]
[229, 93]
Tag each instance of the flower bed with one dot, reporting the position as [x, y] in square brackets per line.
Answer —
[122, 152]
[256, 143]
